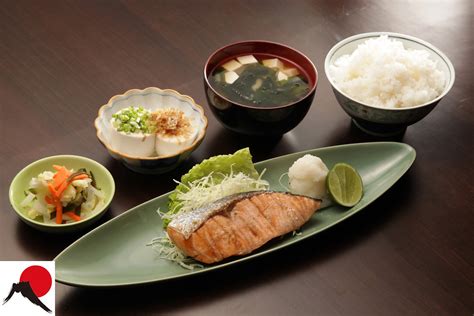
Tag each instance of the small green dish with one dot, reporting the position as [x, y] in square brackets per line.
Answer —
[19, 185]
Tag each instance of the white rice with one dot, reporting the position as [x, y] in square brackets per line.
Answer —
[382, 73]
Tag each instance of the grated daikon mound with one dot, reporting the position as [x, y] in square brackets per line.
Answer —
[307, 176]
[382, 73]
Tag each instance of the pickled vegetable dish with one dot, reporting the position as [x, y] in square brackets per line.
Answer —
[63, 196]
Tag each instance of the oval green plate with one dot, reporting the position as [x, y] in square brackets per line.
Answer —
[115, 254]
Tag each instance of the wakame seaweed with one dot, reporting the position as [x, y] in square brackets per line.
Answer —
[258, 85]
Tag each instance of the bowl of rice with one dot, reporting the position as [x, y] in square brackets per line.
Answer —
[387, 81]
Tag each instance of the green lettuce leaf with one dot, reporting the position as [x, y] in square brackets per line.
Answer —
[240, 161]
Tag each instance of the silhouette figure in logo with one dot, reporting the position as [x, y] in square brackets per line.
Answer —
[35, 281]
[25, 289]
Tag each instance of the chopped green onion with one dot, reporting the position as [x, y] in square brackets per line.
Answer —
[132, 120]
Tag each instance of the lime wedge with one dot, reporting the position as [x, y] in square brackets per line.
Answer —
[344, 185]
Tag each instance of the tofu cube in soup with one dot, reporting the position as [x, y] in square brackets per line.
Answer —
[281, 76]
[248, 59]
[273, 63]
[257, 84]
[291, 72]
[231, 65]
[230, 77]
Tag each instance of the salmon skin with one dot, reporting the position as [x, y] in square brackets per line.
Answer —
[238, 224]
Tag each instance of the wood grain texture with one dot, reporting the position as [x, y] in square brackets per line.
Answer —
[409, 253]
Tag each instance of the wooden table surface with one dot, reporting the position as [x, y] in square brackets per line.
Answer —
[409, 253]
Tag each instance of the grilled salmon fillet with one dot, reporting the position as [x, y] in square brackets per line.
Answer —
[242, 223]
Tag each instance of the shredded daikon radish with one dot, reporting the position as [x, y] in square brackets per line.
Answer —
[205, 191]
[167, 250]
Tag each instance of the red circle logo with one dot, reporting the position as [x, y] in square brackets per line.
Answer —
[39, 278]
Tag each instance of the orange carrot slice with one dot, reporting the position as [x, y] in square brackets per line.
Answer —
[57, 187]
[59, 212]
[65, 184]
[48, 199]
[62, 188]
[60, 176]
[80, 177]
[73, 215]
[53, 192]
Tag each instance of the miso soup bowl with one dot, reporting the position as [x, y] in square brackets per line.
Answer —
[379, 121]
[256, 120]
[152, 99]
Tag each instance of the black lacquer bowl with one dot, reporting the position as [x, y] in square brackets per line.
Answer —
[257, 120]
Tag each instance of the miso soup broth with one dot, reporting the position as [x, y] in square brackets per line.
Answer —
[260, 80]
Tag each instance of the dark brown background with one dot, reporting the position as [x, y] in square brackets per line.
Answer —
[409, 253]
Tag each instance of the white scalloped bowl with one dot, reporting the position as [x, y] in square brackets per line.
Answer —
[152, 99]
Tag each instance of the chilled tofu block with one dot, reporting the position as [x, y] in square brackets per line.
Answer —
[273, 63]
[132, 144]
[248, 59]
[291, 72]
[167, 145]
[230, 77]
[281, 76]
[231, 65]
